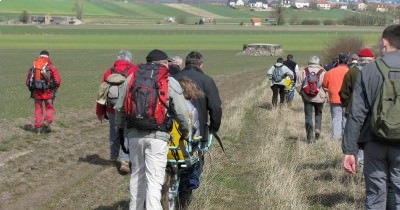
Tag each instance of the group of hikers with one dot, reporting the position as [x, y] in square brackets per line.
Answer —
[141, 102]
[363, 93]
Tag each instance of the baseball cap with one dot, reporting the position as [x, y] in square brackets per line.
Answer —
[366, 52]
[157, 55]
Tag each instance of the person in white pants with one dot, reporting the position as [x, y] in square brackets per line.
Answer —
[148, 149]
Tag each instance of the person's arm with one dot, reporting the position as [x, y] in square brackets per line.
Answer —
[175, 91]
[270, 71]
[325, 82]
[56, 76]
[214, 105]
[358, 112]
[345, 90]
[299, 81]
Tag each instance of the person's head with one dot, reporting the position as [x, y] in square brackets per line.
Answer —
[157, 56]
[195, 59]
[390, 38]
[190, 89]
[44, 53]
[366, 55]
[279, 60]
[343, 58]
[124, 55]
[354, 58]
[289, 57]
[313, 60]
[177, 60]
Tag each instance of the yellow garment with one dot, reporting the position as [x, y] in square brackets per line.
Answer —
[176, 153]
[288, 83]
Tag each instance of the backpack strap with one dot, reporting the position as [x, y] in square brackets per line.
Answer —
[307, 71]
[123, 73]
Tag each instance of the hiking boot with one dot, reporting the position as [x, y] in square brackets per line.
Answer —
[317, 134]
[37, 130]
[124, 167]
[46, 128]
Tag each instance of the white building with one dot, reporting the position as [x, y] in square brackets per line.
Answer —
[323, 5]
[258, 4]
[301, 4]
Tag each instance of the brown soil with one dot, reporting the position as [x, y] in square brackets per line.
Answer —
[69, 168]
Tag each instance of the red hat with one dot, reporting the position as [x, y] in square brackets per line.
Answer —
[366, 52]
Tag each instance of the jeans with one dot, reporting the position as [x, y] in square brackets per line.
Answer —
[309, 107]
[275, 90]
[337, 119]
[49, 113]
[382, 175]
[115, 146]
[149, 160]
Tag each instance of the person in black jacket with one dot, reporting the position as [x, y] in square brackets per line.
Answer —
[207, 106]
[210, 104]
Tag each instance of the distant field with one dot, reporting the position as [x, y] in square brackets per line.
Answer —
[134, 13]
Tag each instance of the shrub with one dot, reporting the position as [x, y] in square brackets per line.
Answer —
[341, 45]
[365, 19]
[329, 22]
[24, 17]
[311, 22]
[181, 19]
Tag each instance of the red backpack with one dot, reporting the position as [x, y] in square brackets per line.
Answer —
[147, 94]
[310, 84]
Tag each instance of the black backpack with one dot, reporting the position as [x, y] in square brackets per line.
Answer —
[146, 99]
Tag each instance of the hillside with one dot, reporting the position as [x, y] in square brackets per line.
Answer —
[109, 11]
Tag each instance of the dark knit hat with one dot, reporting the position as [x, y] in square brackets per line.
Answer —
[157, 55]
[44, 52]
[343, 58]
[366, 52]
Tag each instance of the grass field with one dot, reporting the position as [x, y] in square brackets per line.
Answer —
[82, 54]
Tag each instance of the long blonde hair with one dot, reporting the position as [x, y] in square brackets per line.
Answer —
[190, 89]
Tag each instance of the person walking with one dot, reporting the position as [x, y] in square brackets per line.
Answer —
[276, 75]
[43, 81]
[332, 84]
[312, 75]
[294, 68]
[372, 87]
[209, 107]
[175, 65]
[148, 132]
[365, 56]
[122, 68]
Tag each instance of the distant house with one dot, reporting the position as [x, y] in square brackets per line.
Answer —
[258, 4]
[256, 21]
[302, 4]
[382, 8]
[362, 6]
[58, 20]
[235, 3]
[322, 4]
[287, 3]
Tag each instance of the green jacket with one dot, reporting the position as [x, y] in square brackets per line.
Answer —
[348, 85]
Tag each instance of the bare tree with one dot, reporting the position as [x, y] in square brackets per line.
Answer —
[78, 8]
[24, 17]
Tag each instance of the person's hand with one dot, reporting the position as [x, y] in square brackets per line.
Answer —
[349, 164]
[100, 117]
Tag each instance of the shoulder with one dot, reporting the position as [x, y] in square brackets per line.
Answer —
[173, 85]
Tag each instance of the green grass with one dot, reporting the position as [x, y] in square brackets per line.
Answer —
[64, 7]
[83, 54]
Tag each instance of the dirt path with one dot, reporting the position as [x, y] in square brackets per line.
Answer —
[68, 168]
[195, 11]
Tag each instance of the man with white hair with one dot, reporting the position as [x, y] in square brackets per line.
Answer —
[122, 66]
[312, 76]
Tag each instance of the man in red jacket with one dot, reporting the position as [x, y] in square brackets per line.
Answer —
[123, 66]
[43, 81]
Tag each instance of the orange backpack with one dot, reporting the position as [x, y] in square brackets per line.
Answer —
[40, 77]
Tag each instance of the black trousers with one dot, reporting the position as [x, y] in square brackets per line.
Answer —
[278, 89]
